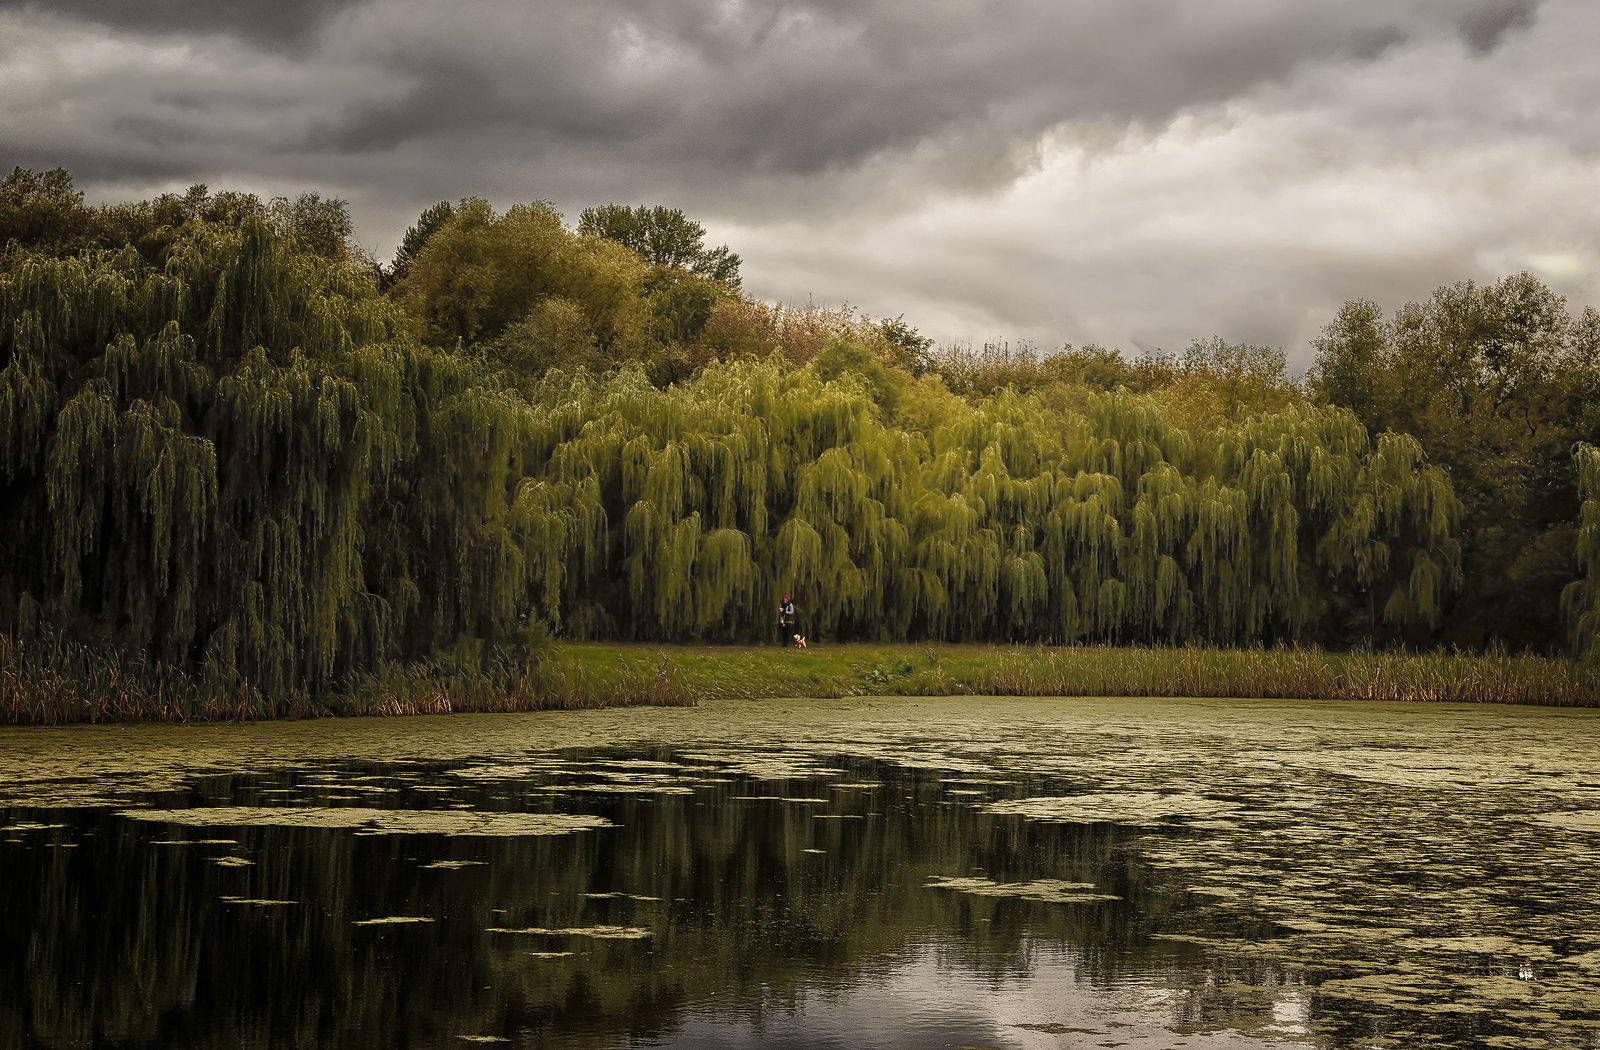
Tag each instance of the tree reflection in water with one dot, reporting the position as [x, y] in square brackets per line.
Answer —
[803, 923]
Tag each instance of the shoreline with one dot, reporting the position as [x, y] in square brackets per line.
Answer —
[94, 687]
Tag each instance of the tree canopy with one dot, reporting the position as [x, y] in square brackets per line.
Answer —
[664, 237]
[1496, 382]
[226, 443]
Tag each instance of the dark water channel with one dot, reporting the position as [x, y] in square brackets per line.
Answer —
[830, 874]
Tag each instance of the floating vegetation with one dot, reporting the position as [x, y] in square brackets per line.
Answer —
[637, 763]
[617, 933]
[193, 842]
[1478, 945]
[1137, 807]
[1051, 891]
[508, 771]
[454, 865]
[378, 821]
[255, 901]
[1585, 820]
[393, 920]
[1449, 850]
[622, 788]
[233, 862]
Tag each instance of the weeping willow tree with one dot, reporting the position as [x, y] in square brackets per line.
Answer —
[685, 513]
[229, 452]
[1581, 599]
[233, 459]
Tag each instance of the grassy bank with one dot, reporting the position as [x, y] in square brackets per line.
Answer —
[51, 681]
[984, 670]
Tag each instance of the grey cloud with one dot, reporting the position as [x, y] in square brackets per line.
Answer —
[266, 23]
[757, 91]
[817, 87]
[827, 140]
[1486, 26]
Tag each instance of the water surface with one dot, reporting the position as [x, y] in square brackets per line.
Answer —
[855, 873]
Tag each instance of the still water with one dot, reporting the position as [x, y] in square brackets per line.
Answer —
[855, 873]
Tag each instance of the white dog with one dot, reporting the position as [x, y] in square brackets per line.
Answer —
[799, 641]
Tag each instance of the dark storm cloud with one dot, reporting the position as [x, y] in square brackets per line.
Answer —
[1051, 168]
[750, 90]
[803, 88]
[274, 23]
[1485, 26]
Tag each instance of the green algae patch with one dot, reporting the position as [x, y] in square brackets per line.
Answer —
[623, 787]
[1133, 807]
[256, 901]
[1478, 945]
[1049, 891]
[1582, 820]
[378, 821]
[609, 933]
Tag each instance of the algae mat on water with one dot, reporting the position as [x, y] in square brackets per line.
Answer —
[376, 821]
[1423, 874]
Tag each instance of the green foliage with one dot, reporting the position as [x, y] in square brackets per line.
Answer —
[225, 453]
[906, 347]
[316, 224]
[479, 273]
[232, 461]
[416, 238]
[663, 237]
[1496, 383]
[1581, 600]
[41, 208]
[686, 513]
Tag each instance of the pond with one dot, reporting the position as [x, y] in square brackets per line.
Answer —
[962, 872]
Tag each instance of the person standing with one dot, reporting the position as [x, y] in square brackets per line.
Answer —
[786, 620]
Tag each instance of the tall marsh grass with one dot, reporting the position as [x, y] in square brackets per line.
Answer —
[1297, 673]
[46, 679]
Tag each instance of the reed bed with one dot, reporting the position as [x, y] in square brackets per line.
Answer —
[48, 680]
[1306, 673]
[1287, 673]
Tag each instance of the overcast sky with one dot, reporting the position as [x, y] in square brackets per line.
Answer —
[1132, 172]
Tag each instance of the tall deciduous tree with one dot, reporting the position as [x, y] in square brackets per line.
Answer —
[1496, 382]
[663, 237]
[416, 237]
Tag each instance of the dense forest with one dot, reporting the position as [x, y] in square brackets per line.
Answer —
[234, 444]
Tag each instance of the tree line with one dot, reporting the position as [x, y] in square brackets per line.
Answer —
[232, 441]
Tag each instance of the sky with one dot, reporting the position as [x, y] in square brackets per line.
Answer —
[1137, 173]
